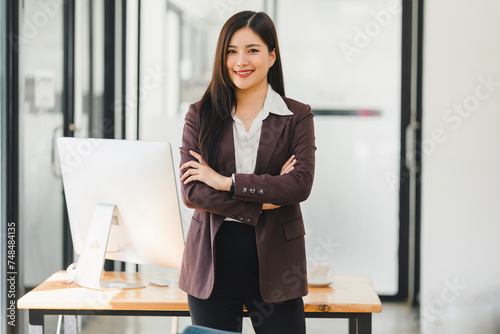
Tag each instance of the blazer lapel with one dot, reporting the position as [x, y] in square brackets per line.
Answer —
[272, 128]
[226, 147]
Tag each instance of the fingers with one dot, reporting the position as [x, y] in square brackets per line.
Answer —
[289, 160]
[193, 163]
[269, 206]
[191, 175]
[197, 156]
[186, 175]
[190, 164]
[196, 170]
[191, 178]
[287, 170]
[192, 169]
[288, 166]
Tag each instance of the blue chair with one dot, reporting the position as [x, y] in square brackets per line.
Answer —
[203, 330]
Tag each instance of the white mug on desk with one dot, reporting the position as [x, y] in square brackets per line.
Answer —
[320, 273]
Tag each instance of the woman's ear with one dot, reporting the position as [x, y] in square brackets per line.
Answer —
[272, 56]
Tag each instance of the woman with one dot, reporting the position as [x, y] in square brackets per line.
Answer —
[247, 160]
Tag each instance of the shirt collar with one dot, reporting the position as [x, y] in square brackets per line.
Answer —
[273, 104]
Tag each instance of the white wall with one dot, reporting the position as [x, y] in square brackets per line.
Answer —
[460, 290]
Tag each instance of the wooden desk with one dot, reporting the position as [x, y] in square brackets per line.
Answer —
[351, 297]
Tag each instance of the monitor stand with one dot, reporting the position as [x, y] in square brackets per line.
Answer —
[91, 262]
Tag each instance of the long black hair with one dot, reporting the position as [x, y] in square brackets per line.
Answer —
[219, 98]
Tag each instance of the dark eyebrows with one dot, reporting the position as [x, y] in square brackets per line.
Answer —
[248, 46]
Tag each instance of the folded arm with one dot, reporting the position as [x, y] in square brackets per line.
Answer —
[204, 189]
[292, 187]
[198, 195]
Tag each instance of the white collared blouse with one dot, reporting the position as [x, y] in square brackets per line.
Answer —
[246, 144]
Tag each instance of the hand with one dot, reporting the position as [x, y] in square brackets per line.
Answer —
[200, 171]
[288, 166]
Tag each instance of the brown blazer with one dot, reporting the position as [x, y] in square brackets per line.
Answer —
[279, 232]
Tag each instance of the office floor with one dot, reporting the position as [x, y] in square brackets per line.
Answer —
[396, 318]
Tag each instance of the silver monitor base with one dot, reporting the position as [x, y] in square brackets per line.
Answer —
[108, 285]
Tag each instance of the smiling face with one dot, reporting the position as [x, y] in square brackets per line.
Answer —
[248, 60]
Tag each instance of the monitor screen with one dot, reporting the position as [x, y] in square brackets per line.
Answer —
[137, 177]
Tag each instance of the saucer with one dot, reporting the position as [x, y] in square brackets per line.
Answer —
[320, 284]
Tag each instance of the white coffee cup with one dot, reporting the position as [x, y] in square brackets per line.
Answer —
[320, 273]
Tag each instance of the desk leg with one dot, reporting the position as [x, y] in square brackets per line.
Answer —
[70, 324]
[175, 324]
[35, 322]
[365, 323]
[353, 325]
[361, 324]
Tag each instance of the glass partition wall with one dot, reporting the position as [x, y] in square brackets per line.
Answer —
[344, 59]
[41, 121]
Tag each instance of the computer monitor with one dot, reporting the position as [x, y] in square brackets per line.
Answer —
[122, 204]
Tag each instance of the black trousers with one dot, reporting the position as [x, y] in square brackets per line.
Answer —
[237, 284]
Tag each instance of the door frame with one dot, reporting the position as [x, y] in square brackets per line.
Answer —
[411, 118]
[10, 149]
[10, 161]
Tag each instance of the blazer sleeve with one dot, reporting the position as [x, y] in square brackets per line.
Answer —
[290, 188]
[198, 195]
